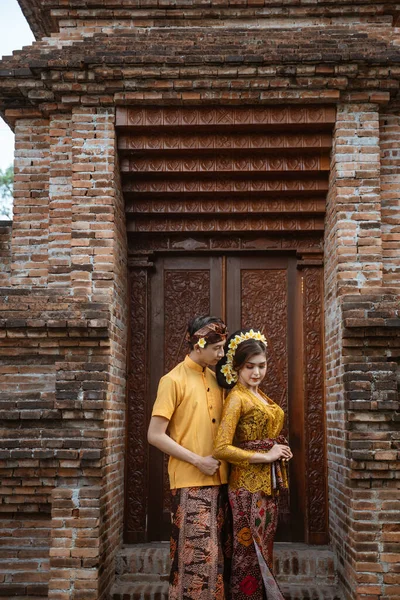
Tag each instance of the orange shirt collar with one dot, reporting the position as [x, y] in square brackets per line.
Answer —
[193, 365]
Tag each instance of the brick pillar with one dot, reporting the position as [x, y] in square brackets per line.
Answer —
[5, 252]
[70, 235]
[93, 195]
[60, 201]
[74, 551]
[353, 264]
[354, 211]
[390, 195]
[30, 232]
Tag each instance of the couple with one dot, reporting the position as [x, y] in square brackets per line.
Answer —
[204, 435]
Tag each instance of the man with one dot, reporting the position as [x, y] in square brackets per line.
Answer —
[189, 406]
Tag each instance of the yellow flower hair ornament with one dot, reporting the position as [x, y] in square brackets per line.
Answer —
[202, 343]
[227, 369]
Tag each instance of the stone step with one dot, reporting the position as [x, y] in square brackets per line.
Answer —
[304, 572]
[130, 589]
[293, 563]
[144, 558]
[135, 590]
[292, 591]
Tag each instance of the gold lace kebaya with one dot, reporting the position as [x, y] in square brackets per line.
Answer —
[247, 418]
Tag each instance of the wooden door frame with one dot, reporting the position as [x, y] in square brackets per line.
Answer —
[309, 264]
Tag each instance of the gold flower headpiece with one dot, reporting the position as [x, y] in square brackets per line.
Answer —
[227, 369]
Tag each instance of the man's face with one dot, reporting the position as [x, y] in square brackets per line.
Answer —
[211, 354]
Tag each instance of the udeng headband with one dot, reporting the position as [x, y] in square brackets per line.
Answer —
[209, 334]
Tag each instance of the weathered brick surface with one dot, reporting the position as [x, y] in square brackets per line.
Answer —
[30, 230]
[62, 359]
[362, 350]
[5, 252]
[63, 305]
[390, 197]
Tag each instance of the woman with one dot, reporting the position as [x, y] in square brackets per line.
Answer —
[249, 438]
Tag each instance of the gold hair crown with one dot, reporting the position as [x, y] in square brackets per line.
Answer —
[227, 370]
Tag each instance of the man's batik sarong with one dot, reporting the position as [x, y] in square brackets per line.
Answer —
[255, 518]
[200, 544]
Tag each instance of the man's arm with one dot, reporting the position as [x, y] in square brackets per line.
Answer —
[157, 436]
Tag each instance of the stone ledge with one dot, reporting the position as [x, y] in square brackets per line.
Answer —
[305, 572]
[134, 590]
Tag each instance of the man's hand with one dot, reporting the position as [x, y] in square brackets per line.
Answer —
[157, 436]
[207, 465]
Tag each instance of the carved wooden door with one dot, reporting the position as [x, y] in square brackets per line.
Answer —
[278, 294]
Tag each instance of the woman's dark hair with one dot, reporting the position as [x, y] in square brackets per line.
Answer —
[198, 323]
[244, 352]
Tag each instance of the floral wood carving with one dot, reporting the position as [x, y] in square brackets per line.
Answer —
[222, 142]
[220, 163]
[168, 242]
[136, 481]
[264, 305]
[186, 294]
[220, 116]
[314, 388]
[193, 224]
[237, 184]
[148, 205]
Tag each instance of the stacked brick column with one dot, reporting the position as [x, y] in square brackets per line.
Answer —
[390, 195]
[5, 252]
[63, 360]
[60, 201]
[31, 203]
[362, 392]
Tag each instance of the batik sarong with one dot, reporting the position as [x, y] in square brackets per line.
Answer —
[201, 544]
[255, 518]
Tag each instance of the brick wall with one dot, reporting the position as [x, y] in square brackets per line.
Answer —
[362, 351]
[390, 197]
[63, 360]
[30, 233]
[64, 312]
[5, 252]
[141, 13]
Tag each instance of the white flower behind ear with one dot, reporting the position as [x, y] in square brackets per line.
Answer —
[202, 343]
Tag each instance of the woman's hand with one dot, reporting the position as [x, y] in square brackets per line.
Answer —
[207, 465]
[278, 452]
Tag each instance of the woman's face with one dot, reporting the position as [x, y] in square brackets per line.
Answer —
[253, 371]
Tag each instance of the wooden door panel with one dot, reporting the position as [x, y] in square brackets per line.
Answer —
[263, 288]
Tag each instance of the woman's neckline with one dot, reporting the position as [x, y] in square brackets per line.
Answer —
[264, 401]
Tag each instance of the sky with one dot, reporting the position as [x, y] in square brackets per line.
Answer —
[14, 33]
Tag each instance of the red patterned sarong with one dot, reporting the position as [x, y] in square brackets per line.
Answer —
[200, 544]
[255, 518]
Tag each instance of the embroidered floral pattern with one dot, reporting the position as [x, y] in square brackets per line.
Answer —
[244, 536]
[245, 418]
[199, 543]
[255, 516]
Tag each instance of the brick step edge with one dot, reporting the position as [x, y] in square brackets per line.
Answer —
[139, 591]
[294, 563]
[159, 591]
